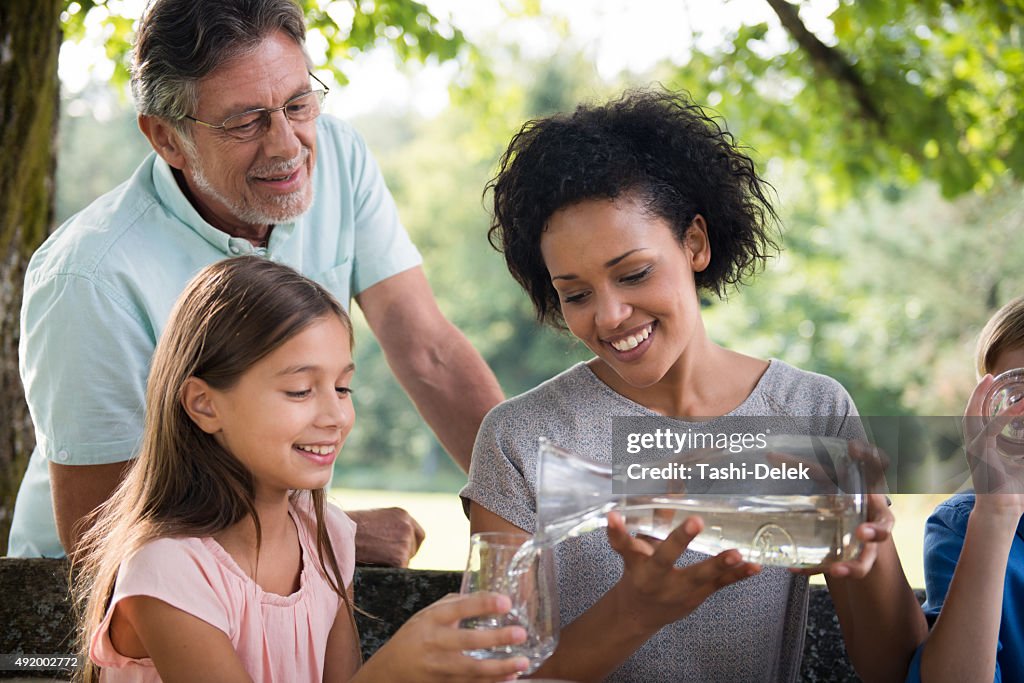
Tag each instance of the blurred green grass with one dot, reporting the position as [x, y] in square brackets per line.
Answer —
[446, 544]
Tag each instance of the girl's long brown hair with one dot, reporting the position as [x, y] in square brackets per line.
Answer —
[231, 315]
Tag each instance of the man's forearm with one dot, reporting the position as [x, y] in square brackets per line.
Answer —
[443, 374]
[78, 490]
[453, 389]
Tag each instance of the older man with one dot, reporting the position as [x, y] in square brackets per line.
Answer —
[243, 163]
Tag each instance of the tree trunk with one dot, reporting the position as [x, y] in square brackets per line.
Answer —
[29, 99]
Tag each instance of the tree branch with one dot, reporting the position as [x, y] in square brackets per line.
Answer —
[828, 61]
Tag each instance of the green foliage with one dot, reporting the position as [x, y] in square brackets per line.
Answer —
[348, 26]
[408, 27]
[887, 297]
[117, 31]
[118, 142]
[945, 78]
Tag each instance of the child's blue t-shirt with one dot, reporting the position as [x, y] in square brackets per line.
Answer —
[943, 540]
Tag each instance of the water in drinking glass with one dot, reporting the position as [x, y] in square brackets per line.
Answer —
[533, 592]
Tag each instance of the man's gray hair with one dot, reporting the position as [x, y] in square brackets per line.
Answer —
[179, 42]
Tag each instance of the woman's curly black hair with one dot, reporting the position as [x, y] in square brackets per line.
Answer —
[654, 146]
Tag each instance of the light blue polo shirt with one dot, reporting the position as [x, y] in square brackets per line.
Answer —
[99, 291]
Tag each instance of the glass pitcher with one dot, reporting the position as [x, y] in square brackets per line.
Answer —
[803, 521]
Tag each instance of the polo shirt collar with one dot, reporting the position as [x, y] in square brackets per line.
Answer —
[175, 201]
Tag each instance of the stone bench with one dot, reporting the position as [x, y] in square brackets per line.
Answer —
[35, 616]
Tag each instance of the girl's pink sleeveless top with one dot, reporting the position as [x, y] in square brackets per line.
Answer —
[277, 637]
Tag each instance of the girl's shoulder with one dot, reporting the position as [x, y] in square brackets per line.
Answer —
[182, 572]
[192, 574]
[339, 525]
[172, 551]
[340, 529]
[182, 561]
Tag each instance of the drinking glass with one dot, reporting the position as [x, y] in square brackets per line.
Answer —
[1006, 390]
[509, 564]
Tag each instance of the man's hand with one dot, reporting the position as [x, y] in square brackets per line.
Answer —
[387, 536]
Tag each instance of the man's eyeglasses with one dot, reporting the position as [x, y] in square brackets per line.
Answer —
[251, 124]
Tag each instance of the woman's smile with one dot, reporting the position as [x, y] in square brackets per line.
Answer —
[633, 344]
[626, 286]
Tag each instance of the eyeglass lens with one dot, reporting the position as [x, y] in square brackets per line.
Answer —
[253, 123]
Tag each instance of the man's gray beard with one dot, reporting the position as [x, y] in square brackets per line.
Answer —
[288, 207]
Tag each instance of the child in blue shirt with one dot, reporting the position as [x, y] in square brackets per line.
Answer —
[974, 544]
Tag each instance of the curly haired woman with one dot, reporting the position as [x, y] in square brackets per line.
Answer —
[614, 219]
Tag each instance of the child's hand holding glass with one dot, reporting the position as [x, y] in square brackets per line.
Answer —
[429, 647]
[996, 462]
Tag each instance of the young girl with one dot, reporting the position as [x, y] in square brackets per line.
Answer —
[218, 558]
[612, 218]
[974, 544]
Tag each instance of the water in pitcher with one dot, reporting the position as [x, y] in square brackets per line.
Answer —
[805, 524]
[786, 531]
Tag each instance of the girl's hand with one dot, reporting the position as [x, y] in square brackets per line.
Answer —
[652, 591]
[429, 646]
[998, 480]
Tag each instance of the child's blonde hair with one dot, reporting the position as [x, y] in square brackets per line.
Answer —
[183, 483]
[1004, 330]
